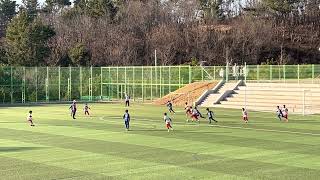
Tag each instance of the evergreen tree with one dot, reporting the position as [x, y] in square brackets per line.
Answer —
[26, 40]
[54, 5]
[79, 55]
[31, 7]
[281, 7]
[212, 8]
[7, 11]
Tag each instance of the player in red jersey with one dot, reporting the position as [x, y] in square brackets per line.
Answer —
[86, 109]
[245, 115]
[30, 119]
[285, 112]
[168, 121]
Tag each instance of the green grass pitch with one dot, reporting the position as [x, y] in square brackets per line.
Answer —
[98, 147]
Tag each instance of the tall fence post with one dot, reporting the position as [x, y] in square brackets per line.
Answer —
[190, 74]
[36, 69]
[227, 72]
[160, 82]
[284, 73]
[142, 88]
[258, 78]
[24, 86]
[270, 72]
[312, 73]
[117, 82]
[80, 82]
[169, 79]
[11, 84]
[298, 74]
[101, 85]
[70, 80]
[125, 80]
[202, 74]
[47, 85]
[151, 84]
[109, 84]
[246, 72]
[91, 84]
[179, 76]
[133, 82]
[59, 83]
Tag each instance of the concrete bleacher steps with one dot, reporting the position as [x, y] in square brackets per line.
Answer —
[219, 94]
[266, 96]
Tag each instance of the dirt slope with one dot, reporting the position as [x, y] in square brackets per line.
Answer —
[188, 93]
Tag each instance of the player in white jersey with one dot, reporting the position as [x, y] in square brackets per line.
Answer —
[279, 113]
[285, 112]
[168, 121]
[86, 109]
[127, 100]
[195, 115]
[30, 119]
[245, 115]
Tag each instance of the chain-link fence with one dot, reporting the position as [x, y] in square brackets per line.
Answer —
[59, 84]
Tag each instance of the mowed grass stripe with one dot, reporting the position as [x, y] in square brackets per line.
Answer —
[103, 152]
[112, 166]
[183, 159]
[242, 152]
[241, 138]
[231, 117]
[190, 139]
[16, 169]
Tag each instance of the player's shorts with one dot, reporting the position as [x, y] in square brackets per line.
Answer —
[168, 125]
[285, 116]
[194, 116]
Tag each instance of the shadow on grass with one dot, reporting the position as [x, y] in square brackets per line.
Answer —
[18, 149]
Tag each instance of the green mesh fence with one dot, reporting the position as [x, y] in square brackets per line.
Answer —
[55, 84]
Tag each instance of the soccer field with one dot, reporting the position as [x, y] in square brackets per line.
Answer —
[98, 147]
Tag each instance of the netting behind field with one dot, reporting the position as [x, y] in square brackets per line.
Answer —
[47, 84]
